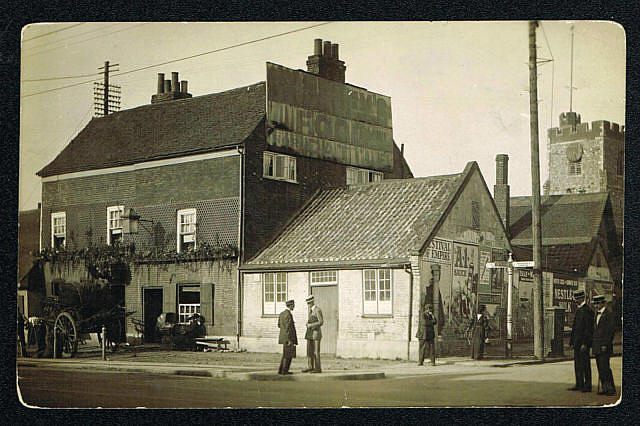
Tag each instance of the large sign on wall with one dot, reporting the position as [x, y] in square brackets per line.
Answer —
[321, 118]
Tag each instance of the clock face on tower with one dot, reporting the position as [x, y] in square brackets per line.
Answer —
[574, 152]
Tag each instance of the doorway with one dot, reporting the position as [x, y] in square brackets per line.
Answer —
[326, 297]
[152, 307]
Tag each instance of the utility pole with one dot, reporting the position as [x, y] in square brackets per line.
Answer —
[106, 96]
[538, 304]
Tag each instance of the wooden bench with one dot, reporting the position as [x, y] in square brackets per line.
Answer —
[218, 343]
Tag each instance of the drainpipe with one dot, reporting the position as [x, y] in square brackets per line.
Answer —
[241, 151]
[407, 269]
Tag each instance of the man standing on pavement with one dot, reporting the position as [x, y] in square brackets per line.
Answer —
[313, 336]
[288, 337]
[581, 335]
[605, 328]
[426, 334]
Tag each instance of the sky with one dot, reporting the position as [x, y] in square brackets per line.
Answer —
[459, 90]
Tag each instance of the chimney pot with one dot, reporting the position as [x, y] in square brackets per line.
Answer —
[327, 49]
[160, 82]
[317, 46]
[175, 85]
[167, 86]
[183, 86]
[334, 51]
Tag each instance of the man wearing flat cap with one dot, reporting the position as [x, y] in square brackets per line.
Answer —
[426, 334]
[313, 336]
[288, 337]
[581, 335]
[605, 328]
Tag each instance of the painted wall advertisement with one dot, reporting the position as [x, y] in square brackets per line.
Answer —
[461, 299]
[563, 289]
[438, 258]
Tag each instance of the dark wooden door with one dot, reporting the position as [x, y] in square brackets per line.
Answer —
[326, 297]
[152, 309]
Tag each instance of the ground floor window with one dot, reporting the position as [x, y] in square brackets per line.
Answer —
[377, 291]
[188, 301]
[274, 292]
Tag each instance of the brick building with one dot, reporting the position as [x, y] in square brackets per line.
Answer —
[213, 179]
[370, 253]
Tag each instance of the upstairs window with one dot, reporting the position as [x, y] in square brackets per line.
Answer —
[356, 176]
[58, 230]
[186, 230]
[114, 224]
[377, 292]
[279, 166]
[575, 168]
[274, 292]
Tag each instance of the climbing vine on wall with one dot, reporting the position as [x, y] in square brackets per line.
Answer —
[113, 262]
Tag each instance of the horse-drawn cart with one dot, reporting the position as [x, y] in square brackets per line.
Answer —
[82, 309]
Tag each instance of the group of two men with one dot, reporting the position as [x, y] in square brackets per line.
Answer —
[289, 339]
[592, 330]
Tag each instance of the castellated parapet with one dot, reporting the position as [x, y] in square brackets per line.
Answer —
[572, 129]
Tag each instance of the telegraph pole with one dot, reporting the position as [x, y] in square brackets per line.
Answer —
[106, 96]
[538, 304]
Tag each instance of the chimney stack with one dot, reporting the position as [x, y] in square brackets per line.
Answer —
[170, 90]
[325, 61]
[501, 192]
[175, 85]
[160, 83]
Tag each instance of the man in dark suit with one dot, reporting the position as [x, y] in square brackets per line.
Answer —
[288, 337]
[313, 336]
[426, 334]
[605, 328]
[581, 335]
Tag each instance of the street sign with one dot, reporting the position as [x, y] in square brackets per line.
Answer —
[498, 264]
[523, 264]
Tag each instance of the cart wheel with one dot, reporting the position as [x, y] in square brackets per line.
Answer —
[65, 327]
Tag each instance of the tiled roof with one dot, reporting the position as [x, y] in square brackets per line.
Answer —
[375, 222]
[165, 129]
[570, 229]
[573, 258]
[566, 219]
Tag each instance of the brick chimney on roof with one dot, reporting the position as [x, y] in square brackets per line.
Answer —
[501, 192]
[325, 61]
[169, 90]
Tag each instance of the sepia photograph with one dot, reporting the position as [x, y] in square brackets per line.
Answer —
[321, 214]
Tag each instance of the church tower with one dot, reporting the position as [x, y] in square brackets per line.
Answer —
[587, 158]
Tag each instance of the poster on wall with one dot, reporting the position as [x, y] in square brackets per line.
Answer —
[464, 287]
[484, 277]
[438, 258]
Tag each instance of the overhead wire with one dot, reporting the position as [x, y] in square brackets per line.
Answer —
[180, 59]
[83, 41]
[61, 78]
[52, 32]
[553, 71]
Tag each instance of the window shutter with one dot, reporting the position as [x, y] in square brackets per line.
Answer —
[207, 302]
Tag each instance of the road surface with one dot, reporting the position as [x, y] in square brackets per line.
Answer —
[531, 385]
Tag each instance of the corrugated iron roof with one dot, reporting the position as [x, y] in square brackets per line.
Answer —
[375, 222]
[162, 130]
